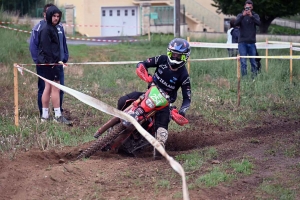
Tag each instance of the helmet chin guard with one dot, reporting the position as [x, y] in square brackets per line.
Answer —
[178, 53]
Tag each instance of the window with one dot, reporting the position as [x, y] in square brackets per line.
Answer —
[118, 12]
[110, 13]
[132, 12]
[126, 12]
[103, 13]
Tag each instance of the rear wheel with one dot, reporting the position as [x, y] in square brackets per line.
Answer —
[103, 141]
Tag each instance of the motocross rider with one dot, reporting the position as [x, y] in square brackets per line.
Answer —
[170, 74]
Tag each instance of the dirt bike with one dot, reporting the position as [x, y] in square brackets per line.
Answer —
[122, 136]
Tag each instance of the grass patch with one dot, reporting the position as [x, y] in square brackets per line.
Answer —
[213, 178]
[276, 191]
[163, 184]
[190, 161]
[221, 174]
[282, 30]
[195, 160]
[243, 167]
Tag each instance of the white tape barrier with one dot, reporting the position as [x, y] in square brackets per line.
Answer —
[82, 39]
[87, 63]
[100, 40]
[259, 45]
[296, 48]
[77, 25]
[91, 101]
[279, 42]
[14, 29]
[273, 57]
[234, 58]
[192, 60]
[235, 45]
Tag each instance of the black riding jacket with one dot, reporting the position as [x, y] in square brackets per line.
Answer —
[49, 46]
[247, 26]
[170, 81]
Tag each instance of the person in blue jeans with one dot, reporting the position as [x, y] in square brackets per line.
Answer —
[247, 21]
[64, 56]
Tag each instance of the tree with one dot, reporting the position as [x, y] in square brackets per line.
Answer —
[267, 10]
[22, 7]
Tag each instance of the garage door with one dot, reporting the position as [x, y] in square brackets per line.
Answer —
[119, 21]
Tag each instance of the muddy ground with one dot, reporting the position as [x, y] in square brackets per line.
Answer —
[272, 147]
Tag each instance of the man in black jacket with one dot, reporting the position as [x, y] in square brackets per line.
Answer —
[49, 53]
[247, 21]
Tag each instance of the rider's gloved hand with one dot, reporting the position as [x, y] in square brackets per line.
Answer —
[179, 118]
[143, 73]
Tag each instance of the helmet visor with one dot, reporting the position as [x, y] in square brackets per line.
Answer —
[176, 56]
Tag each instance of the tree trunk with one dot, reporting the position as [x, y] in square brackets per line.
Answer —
[265, 23]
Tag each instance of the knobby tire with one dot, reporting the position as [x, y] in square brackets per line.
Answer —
[102, 141]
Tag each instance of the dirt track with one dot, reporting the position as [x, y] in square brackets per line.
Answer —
[39, 175]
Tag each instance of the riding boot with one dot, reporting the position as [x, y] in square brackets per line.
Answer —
[161, 136]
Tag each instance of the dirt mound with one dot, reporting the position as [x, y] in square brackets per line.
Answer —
[54, 175]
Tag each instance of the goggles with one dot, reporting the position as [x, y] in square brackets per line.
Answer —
[176, 56]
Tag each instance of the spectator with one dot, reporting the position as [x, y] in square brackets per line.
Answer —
[64, 56]
[49, 52]
[232, 37]
[247, 21]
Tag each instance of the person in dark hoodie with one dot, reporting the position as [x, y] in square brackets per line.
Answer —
[49, 53]
[33, 47]
[247, 21]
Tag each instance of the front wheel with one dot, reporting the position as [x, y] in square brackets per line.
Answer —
[103, 141]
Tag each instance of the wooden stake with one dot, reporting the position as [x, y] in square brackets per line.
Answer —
[16, 97]
[149, 29]
[267, 52]
[188, 64]
[238, 69]
[291, 62]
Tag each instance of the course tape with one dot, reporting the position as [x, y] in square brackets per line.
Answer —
[235, 45]
[234, 58]
[296, 48]
[135, 62]
[279, 42]
[93, 102]
[99, 40]
[78, 25]
[259, 45]
[14, 29]
[273, 57]
[82, 39]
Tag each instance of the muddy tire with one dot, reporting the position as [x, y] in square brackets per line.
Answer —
[102, 141]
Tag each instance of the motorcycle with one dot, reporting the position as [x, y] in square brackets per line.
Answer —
[122, 136]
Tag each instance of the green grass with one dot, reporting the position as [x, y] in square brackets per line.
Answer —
[214, 177]
[276, 191]
[282, 30]
[163, 184]
[243, 167]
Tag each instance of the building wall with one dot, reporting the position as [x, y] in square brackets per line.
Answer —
[88, 12]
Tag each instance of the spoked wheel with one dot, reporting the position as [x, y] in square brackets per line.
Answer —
[102, 142]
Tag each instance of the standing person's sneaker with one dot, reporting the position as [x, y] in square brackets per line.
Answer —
[44, 120]
[63, 120]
